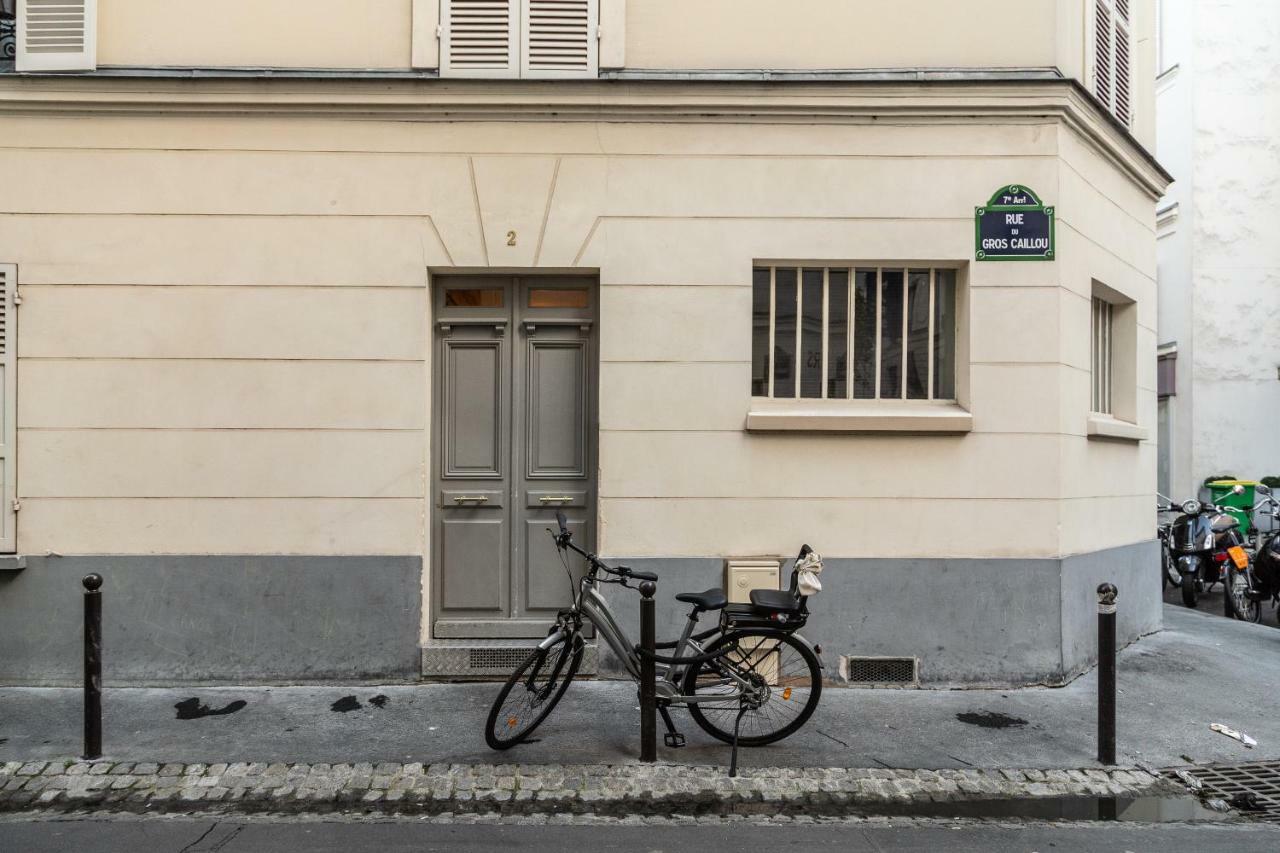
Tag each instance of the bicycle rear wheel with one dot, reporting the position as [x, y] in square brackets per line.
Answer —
[1237, 601]
[532, 691]
[784, 675]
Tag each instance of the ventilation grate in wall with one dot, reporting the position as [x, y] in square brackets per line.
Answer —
[880, 671]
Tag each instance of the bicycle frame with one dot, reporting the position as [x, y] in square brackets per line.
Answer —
[591, 604]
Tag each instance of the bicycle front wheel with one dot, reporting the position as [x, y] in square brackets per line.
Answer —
[781, 676]
[532, 691]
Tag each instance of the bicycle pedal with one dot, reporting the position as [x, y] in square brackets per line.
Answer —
[675, 740]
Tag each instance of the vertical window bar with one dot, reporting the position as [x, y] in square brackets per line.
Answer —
[1095, 344]
[773, 297]
[826, 295]
[1106, 358]
[879, 321]
[853, 291]
[933, 284]
[799, 366]
[1097, 355]
[906, 317]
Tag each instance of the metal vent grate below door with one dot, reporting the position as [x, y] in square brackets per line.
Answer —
[880, 671]
[497, 658]
[488, 660]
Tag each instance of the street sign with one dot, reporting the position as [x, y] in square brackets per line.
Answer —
[1013, 226]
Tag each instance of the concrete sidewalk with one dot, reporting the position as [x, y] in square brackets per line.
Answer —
[1200, 670]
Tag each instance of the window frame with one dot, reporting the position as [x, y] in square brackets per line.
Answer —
[851, 270]
[1118, 370]
[1102, 355]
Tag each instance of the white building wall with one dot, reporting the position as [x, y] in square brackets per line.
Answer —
[1220, 269]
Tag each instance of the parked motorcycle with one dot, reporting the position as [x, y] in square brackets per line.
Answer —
[1266, 572]
[1207, 547]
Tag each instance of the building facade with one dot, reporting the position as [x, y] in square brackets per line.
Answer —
[1219, 264]
[314, 322]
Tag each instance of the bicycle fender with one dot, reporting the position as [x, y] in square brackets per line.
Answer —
[817, 652]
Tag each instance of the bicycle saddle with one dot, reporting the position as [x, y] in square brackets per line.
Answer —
[712, 599]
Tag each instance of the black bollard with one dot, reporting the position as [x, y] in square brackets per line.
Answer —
[92, 666]
[648, 705]
[1107, 673]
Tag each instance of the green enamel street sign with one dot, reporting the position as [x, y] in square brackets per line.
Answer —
[1013, 226]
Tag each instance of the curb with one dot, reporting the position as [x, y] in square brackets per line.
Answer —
[509, 789]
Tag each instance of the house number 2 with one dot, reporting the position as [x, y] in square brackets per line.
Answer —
[511, 238]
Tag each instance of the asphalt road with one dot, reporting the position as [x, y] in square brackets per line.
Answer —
[205, 836]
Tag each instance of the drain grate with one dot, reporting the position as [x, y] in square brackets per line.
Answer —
[1259, 778]
[880, 671]
[497, 657]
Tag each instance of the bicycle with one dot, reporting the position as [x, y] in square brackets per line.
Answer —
[751, 680]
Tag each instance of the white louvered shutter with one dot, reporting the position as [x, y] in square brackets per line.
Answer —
[1112, 58]
[479, 38]
[57, 35]
[8, 399]
[1123, 104]
[558, 39]
[1102, 52]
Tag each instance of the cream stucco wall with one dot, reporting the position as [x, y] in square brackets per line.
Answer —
[224, 338]
[640, 36]
[256, 33]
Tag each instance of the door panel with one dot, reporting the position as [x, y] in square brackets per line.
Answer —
[546, 584]
[473, 408]
[557, 411]
[516, 422]
[473, 556]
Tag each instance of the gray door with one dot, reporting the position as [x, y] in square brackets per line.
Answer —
[515, 436]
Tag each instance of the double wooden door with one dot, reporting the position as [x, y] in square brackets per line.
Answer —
[514, 441]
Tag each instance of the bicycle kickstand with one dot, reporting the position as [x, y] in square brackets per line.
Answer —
[733, 761]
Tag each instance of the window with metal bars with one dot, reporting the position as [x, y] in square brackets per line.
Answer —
[857, 332]
[1102, 346]
[1112, 57]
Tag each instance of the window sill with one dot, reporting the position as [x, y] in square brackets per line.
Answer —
[919, 416]
[1105, 426]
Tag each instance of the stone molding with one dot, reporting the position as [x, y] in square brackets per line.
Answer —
[912, 101]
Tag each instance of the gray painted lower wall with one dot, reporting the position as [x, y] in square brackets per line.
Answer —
[224, 619]
[971, 622]
[264, 619]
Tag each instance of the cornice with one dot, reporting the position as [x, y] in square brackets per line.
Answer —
[825, 101]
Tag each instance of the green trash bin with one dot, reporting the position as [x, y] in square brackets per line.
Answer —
[1221, 492]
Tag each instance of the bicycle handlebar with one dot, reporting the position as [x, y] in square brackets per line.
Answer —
[565, 540]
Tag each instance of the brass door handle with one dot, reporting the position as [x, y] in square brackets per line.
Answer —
[468, 498]
[555, 499]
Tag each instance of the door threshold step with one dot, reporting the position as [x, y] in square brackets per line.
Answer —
[488, 660]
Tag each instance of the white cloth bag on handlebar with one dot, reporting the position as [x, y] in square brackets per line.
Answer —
[807, 570]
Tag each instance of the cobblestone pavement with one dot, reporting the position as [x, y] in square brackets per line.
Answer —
[509, 789]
